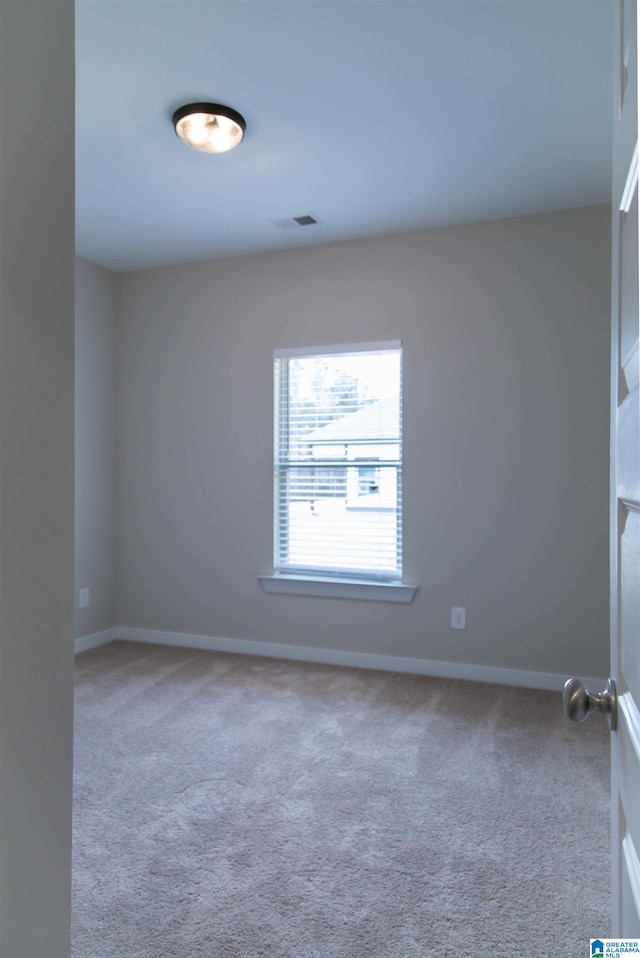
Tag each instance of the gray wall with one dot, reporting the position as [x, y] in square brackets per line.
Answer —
[96, 303]
[36, 475]
[506, 343]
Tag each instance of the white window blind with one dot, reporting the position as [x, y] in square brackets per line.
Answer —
[338, 461]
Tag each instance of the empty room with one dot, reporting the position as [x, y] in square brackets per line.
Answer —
[345, 514]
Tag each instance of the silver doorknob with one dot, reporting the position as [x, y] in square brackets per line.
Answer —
[579, 702]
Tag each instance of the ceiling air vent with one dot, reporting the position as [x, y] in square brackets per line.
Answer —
[308, 219]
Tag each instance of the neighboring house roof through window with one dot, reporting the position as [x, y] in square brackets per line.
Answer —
[378, 422]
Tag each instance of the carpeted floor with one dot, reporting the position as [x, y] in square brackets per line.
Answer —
[238, 807]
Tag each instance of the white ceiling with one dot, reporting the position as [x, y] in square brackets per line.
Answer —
[376, 117]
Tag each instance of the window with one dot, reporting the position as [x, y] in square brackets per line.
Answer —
[338, 462]
[368, 480]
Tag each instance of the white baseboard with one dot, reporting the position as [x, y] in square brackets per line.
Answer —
[361, 660]
[87, 642]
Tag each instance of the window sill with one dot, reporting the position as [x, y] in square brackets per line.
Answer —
[338, 588]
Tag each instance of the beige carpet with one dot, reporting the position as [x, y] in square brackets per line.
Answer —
[236, 807]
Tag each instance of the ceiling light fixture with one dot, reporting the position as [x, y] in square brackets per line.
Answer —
[209, 127]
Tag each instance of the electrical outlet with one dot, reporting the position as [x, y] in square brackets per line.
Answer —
[84, 598]
[458, 618]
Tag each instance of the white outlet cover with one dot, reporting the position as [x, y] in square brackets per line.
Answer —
[458, 617]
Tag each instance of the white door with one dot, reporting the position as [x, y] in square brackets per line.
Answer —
[625, 506]
[621, 699]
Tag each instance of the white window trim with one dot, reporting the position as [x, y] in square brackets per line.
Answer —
[333, 350]
[338, 588]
